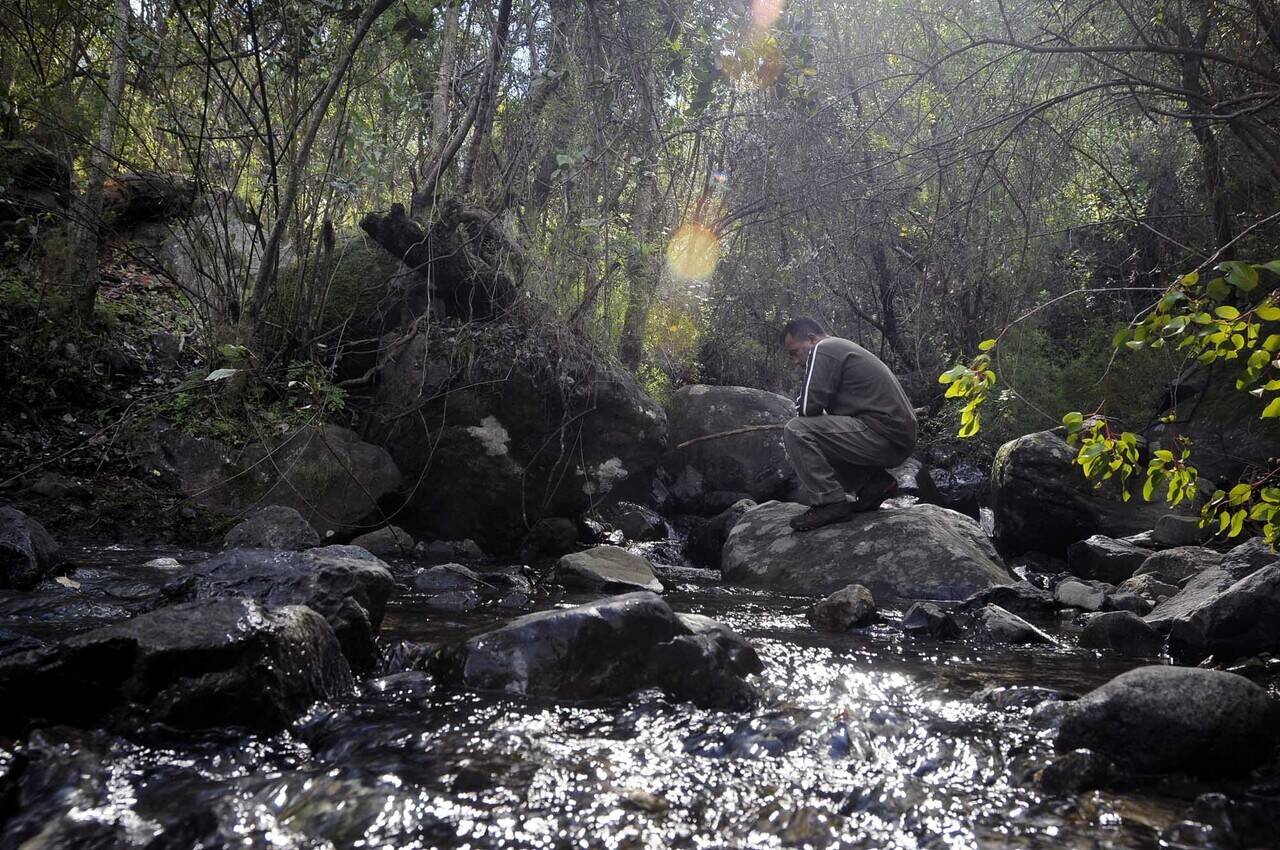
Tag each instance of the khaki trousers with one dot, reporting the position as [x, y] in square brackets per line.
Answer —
[835, 455]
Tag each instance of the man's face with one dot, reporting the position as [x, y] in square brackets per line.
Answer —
[798, 349]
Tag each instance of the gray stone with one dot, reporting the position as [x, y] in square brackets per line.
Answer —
[925, 619]
[1076, 771]
[606, 568]
[1241, 620]
[1175, 530]
[1123, 632]
[447, 577]
[345, 584]
[1249, 557]
[203, 664]
[1022, 598]
[603, 649]
[455, 601]
[1077, 594]
[920, 552]
[1178, 564]
[1000, 626]
[273, 527]
[1041, 500]
[706, 543]
[636, 522]
[390, 541]
[753, 464]
[27, 552]
[1132, 602]
[847, 608]
[1100, 557]
[1158, 719]
[1197, 592]
[1149, 587]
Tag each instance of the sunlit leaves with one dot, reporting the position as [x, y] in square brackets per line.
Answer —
[971, 382]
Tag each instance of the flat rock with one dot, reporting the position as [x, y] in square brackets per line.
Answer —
[1000, 626]
[847, 608]
[606, 568]
[1248, 557]
[447, 577]
[273, 527]
[1100, 557]
[1238, 621]
[1077, 594]
[27, 552]
[1197, 592]
[1123, 632]
[1159, 719]
[920, 552]
[607, 648]
[1022, 598]
[1149, 587]
[1180, 563]
[203, 664]
[345, 584]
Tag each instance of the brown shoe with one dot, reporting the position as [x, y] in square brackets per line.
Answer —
[873, 494]
[820, 515]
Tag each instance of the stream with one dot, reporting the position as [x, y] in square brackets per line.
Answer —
[863, 740]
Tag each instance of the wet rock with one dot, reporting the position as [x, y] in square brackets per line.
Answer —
[1040, 500]
[447, 577]
[455, 601]
[550, 537]
[706, 543]
[200, 664]
[1077, 594]
[1240, 620]
[924, 619]
[1102, 558]
[606, 648]
[1000, 626]
[1019, 697]
[1148, 587]
[636, 522]
[1175, 530]
[740, 651]
[53, 485]
[1076, 771]
[345, 584]
[1122, 632]
[514, 601]
[962, 487]
[752, 465]
[1177, 565]
[1158, 719]
[847, 608]
[27, 552]
[920, 552]
[1022, 598]
[442, 551]
[1248, 557]
[1195, 594]
[606, 568]
[1131, 602]
[273, 527]
[390, 541]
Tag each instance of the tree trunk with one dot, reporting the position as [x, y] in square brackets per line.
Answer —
[82, 270]
[444, 78]
[642, 267]
[478, 166]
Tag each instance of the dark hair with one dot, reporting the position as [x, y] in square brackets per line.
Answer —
[802, 327]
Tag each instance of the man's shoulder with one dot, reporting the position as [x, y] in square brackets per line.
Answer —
[836, 346]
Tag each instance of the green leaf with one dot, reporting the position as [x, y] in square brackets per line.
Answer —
[1243, 276]
[1226, 311]
[1190, 278]
[1121, 337]
[1268, 313]
[1219, 289]
[1273, 266]
[1272, 410]
[986, 345]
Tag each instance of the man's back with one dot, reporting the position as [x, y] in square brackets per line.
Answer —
[844, 379]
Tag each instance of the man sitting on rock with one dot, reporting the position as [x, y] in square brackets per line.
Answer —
[854, 422]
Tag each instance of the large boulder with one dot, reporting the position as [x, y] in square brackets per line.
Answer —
[503, 425]
[203, 664]
[1041, 500]
[1241, 620]
[1157, 719]
[919, 552]
[606, 569]
[345, 584]
[1196, 593]
[1123, 632]
[604, 649]
[326, 473]
[751, 465]
[1179, 564]
[1249, 557]
[273, 527]
[27, 551]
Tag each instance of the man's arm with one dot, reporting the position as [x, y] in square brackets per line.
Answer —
[821, 380]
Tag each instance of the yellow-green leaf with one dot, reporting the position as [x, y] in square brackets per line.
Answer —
[986, 345]
[1272, 410]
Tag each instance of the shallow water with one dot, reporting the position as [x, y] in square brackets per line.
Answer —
[864, 740]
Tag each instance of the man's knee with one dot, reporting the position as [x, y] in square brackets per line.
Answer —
[795, 432]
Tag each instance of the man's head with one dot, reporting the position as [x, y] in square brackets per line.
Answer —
[799, 336]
